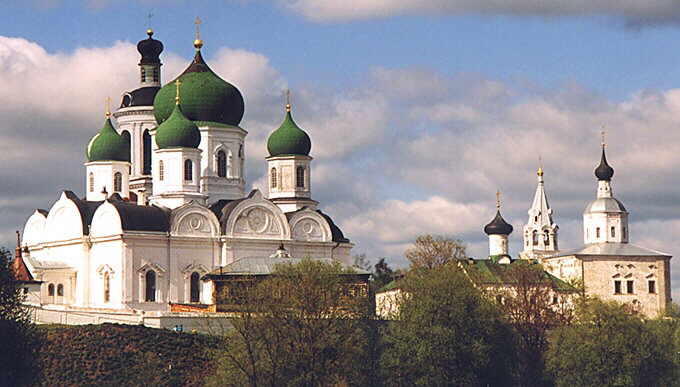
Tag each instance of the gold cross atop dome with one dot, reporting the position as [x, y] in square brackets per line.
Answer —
[498, 200]
[288, 100]
[178, 83]
[602, 133]
[198, 43]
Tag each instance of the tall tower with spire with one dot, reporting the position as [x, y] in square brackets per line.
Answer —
[288, 165]
[605, 219]
[498, 230]
[540, 232]
[135, 116]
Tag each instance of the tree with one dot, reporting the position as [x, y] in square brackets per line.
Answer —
[534, 304]
[609, 345]
[446, 332]
[361, 262]
[382, 274]
[304, 325]
[18, 336]
[430, 251]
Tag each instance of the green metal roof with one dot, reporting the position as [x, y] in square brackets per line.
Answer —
[177, 132]
[205, 96]
[289, 139]
[108, 145]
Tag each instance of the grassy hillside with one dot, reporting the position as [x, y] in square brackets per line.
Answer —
[117, 355]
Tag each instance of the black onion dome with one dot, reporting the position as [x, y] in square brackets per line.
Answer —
[498, 226]
[604, 171]
[150, 49]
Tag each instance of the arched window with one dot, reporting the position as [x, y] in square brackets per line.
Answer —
[146, 150]
[195, 290]
[161, 170]
[300, 177]
[272, 177]
[188, 170]
[60, 290]
[90, 182]
[597, 232]
[117, 182]
[126, 136]
[221, 164]
[613, 232]
[534, 238]
[546, 238]
[107, 287]
[150, 293]
[50, 290]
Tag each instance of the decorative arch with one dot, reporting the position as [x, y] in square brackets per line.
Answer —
[64, 221]
[309, 225]
[34, 229]
[193, 219]
[106, 221]
[256, 217]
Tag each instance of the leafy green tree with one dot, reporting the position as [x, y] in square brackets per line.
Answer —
[305, 325]
[446, 333]
[609, 345]
[534, 306]
[430, 251]
[18, 336]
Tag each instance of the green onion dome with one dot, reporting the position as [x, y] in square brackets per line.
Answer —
[205, 96]
[177, 131]
[289, 139]
[108, 145]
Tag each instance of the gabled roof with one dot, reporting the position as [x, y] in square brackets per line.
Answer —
[21, 272]
[611, 248]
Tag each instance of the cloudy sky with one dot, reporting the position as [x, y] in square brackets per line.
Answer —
[418, 110]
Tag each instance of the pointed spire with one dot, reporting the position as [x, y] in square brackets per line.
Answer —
[17, 253]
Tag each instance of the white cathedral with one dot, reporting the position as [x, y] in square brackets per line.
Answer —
[165, 205]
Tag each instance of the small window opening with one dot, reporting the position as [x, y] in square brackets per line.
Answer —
[617, 287]
[534, 238]
[188, 170]
[597, 232]
[613, 232]
[107, 287]
[91, 182]
[651, 286]
[117, 182]
[272, 177]
[60, 290]
[300, 177]
[195, 291]
[221, 164]
[150, 291]
[629, 287]
[50, 290]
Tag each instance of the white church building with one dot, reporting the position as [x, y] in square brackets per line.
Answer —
[165, 204]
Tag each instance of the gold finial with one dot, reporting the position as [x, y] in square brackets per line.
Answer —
[178, 83]
[540, 166]
[108, 107]
[288, 100]
[198, 43]
[498, 200]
